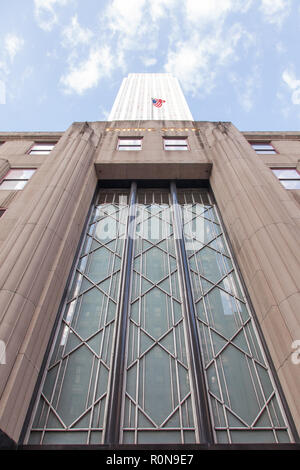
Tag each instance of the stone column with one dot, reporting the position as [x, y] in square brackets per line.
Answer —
[260, 218]
[35, 262]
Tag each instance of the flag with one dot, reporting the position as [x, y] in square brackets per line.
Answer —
[157, 102]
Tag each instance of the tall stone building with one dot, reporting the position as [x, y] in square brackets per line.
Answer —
[149, 286]
[134, 99]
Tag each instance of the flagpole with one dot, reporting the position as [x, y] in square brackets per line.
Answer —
[151, 109]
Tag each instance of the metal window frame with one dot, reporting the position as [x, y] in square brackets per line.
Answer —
[16, 179]
[286, 179]
[263, 151]
[183, 146]
[116, 384]
[132, 147]
[33, 151]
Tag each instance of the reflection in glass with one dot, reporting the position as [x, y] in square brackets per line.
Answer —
[74, 395]
[245, 406]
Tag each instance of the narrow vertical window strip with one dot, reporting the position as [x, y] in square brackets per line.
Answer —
[201, 403]
[115, 394]
[160, 405]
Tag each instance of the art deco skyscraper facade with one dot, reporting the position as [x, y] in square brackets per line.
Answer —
[149, 281]
[134, 99]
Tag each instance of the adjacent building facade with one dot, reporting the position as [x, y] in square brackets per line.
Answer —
[150, 280]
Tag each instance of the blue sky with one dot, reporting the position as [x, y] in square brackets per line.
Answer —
[63, 60]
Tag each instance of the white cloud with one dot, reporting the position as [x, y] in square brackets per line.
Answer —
[275, 11]
[204, 12]
[74, 34]
[89, 72]
[12, 45]
[246, 87]
[161, 8]
[46, 12]
[207, 43]
[149, 61]
[293, 83]
[194, 42]
[290, 79]
[213, 11]
[197, 60]
[125, 17]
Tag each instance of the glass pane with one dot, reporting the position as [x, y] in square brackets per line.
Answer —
[282, 436]
[159, 437]
[96, 437]
[175, 142]
[19, 174]
[252, 437]
[65, 437]
[39, 152]
[267, 151]
[35, 438]
[45, 147]
[189, 437]
[130, 142]
[263, 148]
[12, 185]
[131, 147]
[177, 147]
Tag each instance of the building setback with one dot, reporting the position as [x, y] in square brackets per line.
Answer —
[149, 285]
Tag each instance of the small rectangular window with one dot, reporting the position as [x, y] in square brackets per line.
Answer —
[263, 148]
[291, 184]
[288, 177]
[16, 178]
[175, 143]
[41, 148]
[130, 143]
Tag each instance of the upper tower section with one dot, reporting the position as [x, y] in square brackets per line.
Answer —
[150, 96]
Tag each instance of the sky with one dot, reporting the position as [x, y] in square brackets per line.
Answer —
[64, 60]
